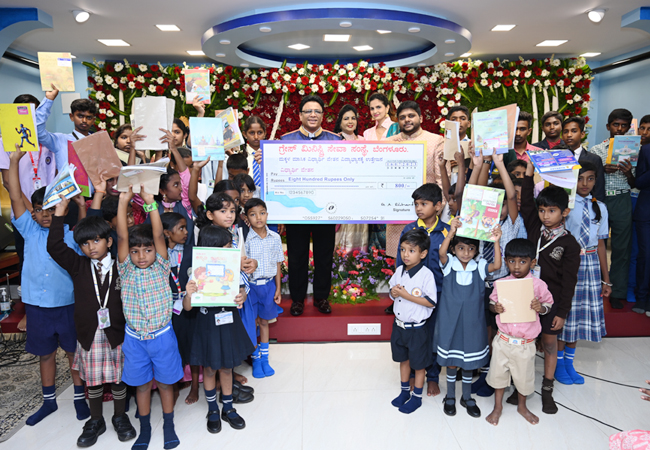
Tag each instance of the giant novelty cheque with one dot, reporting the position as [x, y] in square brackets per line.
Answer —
[341, 181]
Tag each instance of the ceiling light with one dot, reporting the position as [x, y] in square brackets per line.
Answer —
[74, 57]
[465, 55]
[220, 55]
[414, 30]
[168, 28]
[196, 52]
[265, 29]
[244, 65]
[336, 37]
[114, 42]
[362, 48]
[596, 15]
[345, 24]
[384, 31]
[299, 46]
[81, 16]
[503, 27]
[450, 41]
[422, 64]
[552, 42]
[224, 41]
[449, 54]
[590, 54]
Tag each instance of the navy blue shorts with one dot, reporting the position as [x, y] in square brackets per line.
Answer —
[412, 345]
[49, 328]
[156, 358]
[262, 297]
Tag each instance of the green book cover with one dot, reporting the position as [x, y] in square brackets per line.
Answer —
[480, 212]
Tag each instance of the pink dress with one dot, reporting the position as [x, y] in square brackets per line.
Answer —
[371, 133]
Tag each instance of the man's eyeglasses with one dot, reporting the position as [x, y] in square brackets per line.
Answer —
[309, 112]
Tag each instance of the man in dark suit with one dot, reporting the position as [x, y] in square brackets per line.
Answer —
[311, 110]
[552, 128]
[642, 221]
[573, 132]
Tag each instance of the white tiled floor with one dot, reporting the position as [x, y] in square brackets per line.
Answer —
[337, 396]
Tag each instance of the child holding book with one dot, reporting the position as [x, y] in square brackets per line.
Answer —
[513, 348]
[264, 246]
[414, 294]
[460, 337]
[99, 320]
[47, 292]
[150, 345]
[558, 260]
[218, 346]
[587, 222]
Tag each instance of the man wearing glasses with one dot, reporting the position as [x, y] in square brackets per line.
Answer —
[311, 117]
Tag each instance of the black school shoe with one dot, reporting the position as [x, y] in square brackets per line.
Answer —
[91, 431]
[235, 421]
[241, 387]
[616, 303]
[123, 427]
[471, 407]
[297, 308]
[214, 426]
[449, 407]
[238, 396]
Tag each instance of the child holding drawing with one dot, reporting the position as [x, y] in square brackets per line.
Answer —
[513, 348]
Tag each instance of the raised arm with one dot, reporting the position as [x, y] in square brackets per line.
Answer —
[193, 188]
[444, 247]
[528, 205]
[462, 176]
[15, 192]
[444, 178]
[156, 224]
[485, 170]
[496, 265]
[122, 225]
[63, 255]
[169, 139]
[511, 194]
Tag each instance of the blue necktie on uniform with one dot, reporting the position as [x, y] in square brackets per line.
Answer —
[257, 173]
[488, 251]
[583, 238]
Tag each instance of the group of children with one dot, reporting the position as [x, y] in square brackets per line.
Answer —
[116, 293]
[445, 288]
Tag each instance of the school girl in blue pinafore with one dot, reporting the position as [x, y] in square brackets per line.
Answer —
[460, 337]
[588, 223]
[220, 342]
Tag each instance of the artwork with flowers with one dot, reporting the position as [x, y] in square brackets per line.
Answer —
[535, 85]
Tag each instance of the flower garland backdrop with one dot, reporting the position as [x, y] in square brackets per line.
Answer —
[472, 83]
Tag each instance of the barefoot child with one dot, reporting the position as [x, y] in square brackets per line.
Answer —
[513, 348]
[99, 319]
[413, 291]
[150, 346]
[460, 338]
[264, 246]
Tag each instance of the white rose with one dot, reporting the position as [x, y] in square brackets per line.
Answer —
[263, 82]
[114, 85]
[451, 103]
[576, 78]
[515, 73]
[277, 85]
[143, 67]
[497, 85]
[322, 83]
[499, 74]
[110, 98]
[286, 77]
[444, 111]
[341, 71]
[568, 90]
[528, 73]
[212, 88]
[555, 62]
[353, 74]
[102, 111]
[108, 79]
[312, 78]
[240, 115]
[131, 85]
[110, 113]
[246, 87]
[418, 89]
[484, 83]
[321, 67]
[363, 64]
[99, 80]
[577, 98]
[247, 71]
[427, 70]
[560, 83]
[264, 73]
[160, 80]
[376, 77]
[219, 69]
[457, 97]
[254, 77]
[572, 69]
[402, 90]
[174, 92]
[285, 89]
[275, 76]
[349, 66]
[515, 82]
[341, 89]
[326, 72]
[114, 122]
[370, 70]
[547, 83]
[102, 125]
[255, 86]
[124, 80]
[118, 67]
[545, 73]
[484, 75]
[140, 78]
[152, 88]
[569, 102]
[236, 94]
[301, 71]
[226, 87]
[269, 90]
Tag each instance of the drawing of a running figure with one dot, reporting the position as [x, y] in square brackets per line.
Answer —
[25, 134]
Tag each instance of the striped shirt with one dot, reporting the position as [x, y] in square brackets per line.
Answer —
[616, 180]
[146, 295]
[267, 252]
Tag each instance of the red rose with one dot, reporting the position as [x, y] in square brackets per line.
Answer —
[109, 68]
[560, 72]
[568, 97]
[553, 82]
[235, 84]
[428, 87]
[465, 66]
[148, 75]
[410, 78]
[373, 86]
[586, 97]
[130, 76]
[586, 119]
[134, 66]
[490, 71]
[579, 72]
[160, 90]
[506, 73]
[482, 66]
[496, 63]
[227, 70]
[178, 69]
[123, 87]
[299, 66]
[567, 82]
[211, 69]
[292, 88]
[307, 90]
[578, 109]
[154, 68]
[102, 116]
[507, 82]
[138, 85]
[362, 69]
[531, 82]
[567, 113]
[538, 71]
[470, 83]
[166, 82]
[304, 80]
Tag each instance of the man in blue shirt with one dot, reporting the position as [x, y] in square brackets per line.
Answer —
[312, 108]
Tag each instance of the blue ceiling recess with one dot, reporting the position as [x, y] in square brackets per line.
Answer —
[14, 22]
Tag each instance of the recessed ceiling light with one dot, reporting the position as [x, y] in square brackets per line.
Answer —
[224, 42]
[114, 42]
[168, 28]
[220, 55]
[465, 55]
[265, 29]
[336, 37]
[74, 57]
[362, 48]
[195, 52]
[345, 24]
[450, 41]
[414, 30]
[449, 54]
[244, 65]
[81, 16]
[422, 64]
[298, 46]
[596, 15]
[384, 31]
[590, 54]
[552, 42]
[503, 27]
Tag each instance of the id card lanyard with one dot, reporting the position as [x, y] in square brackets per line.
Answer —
[175, 278]
[103, 319]
[36, 180]
[537, 271]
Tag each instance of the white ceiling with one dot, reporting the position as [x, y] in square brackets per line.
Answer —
[135, 20]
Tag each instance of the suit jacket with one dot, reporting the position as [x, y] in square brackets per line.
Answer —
[599, 189]
[642, 209]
